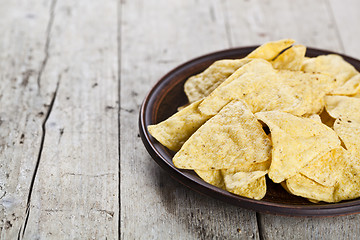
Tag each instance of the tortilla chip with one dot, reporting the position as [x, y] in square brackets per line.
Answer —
[315, 117]
[343, 107]
[290, 59]
[349, 184]
[231, 138]
[302, 186]
[349, 88]
[264, 89]
[296, 141]
[201, 85]
[349, 132]
[246, 184]
[326, 170]
[270, 50]
[173, 132]
[214, 177]
[333, 65]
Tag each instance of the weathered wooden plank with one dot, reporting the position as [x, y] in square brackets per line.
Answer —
[157, 36]
[269, 20]
[347, 18]
[75, 192]
[22, 106]
[259, 21]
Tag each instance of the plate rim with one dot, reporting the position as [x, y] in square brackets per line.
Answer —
[319, 210]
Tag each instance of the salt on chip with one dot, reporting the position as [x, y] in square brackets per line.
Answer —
[343, 107]
[290, 59]
[202, 84]
[174, 131]
[270, 50]
[287, 131]
[247, 184]
[333, 65]
[230, 138]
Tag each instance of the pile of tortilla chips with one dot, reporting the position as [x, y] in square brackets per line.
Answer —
[310, 106]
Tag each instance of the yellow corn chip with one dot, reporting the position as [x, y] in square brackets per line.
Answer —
[350, 87]
[326, 170]
[173, 132]
[296, 141]
[246, 184]
[229, 139]
[343, 107]
[214, 177]
[201, 85]
[270, 50]
[302, 186]
[333, 65]
[290, 59]
[349, 132]
[264, 89]
[349, 184]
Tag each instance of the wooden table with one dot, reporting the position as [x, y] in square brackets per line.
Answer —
[73, 75]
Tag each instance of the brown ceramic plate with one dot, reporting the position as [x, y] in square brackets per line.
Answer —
[167, 95]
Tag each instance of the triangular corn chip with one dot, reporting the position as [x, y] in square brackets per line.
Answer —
[174, 131]
[202, 84]
[290, 59]
[231, 138]
[333, 65]
[343, 107]
[270, 50]
[296, 141]
[264, 89]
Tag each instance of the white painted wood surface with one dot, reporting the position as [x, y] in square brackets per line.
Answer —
[73, 75]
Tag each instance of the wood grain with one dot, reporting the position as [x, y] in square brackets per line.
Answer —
[73, 75]
[76, 184]
[22, 106]
[153, 205]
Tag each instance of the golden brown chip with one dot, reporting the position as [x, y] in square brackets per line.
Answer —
[231, 138]
[173, 132]
[290, 59]
[296, 141]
